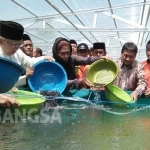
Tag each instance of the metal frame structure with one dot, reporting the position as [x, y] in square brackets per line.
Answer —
[111, 21]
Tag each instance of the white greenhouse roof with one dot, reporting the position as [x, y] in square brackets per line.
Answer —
[111, 21]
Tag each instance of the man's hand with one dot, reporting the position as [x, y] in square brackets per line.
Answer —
[134, 96]
[84, 83]
[14, 89]
[106, 58]
[29, 72]
[7, 101]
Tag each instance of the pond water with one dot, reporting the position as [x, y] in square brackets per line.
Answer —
[78, 127]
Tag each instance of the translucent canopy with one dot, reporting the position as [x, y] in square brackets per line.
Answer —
[114, 22]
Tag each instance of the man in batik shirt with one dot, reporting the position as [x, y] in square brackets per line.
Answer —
[131, 73]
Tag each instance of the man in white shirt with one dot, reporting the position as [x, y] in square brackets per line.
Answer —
[27, 49]
[11, 34]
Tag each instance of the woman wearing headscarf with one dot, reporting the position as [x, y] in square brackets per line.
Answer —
[62, 53]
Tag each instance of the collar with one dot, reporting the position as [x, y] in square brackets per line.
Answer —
[123, 65]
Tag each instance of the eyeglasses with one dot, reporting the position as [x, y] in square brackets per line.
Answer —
[64, 53]
[14, 45]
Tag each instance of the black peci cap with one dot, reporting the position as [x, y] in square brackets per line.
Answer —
[26, 37]
[99, 45]
[11, 30]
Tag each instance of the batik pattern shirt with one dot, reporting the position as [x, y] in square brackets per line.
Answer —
[131, 77]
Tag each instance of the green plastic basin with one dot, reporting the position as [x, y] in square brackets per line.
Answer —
[102, 72]
[29, 101]
[115, 94]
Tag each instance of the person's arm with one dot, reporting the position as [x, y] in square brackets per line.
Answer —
[141, 82]
[77, 84]
[27, 61]
[73, 84]
[21, 81]
[79, 60]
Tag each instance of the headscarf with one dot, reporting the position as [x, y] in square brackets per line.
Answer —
[68, 66]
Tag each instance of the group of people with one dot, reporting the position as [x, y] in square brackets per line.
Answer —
[18, 47]
[132, 74]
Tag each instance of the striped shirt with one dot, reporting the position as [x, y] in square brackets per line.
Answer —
[131, 77]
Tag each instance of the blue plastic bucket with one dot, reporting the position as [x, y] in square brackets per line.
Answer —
[10, 73]
[48, 76]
